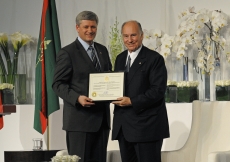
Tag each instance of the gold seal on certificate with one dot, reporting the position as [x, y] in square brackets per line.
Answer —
[106, 86]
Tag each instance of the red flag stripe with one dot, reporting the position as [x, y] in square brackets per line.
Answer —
[43, 113]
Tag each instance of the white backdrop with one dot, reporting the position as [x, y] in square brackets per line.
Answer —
[25, 16]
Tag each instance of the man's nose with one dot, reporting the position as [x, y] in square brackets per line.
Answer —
[130, 39]
[90, 29]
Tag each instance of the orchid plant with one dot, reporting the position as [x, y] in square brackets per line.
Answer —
[201, 30]
[157, 40]
[115, 42]
[8, 65]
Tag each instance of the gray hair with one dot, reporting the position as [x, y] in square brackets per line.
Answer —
[139, 25]
[86, 15]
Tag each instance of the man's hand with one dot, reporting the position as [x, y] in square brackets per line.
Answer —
[85, 101]
[123, 101]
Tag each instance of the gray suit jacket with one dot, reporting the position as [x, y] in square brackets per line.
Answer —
[71, 79]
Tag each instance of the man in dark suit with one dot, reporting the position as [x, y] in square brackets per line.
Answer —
[87, 124]
[140, 118]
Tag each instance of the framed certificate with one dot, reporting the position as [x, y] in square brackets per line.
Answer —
[106, 86]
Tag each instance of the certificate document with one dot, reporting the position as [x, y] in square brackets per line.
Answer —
[106, 86]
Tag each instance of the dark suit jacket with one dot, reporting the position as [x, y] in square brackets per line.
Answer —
[146, 120]
[71, 79]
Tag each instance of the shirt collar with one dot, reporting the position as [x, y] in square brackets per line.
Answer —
[84, 44]
[134, 54]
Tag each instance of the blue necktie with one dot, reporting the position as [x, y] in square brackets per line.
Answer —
[94, 58]
[128, 64]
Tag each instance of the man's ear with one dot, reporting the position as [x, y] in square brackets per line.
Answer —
[77, 27]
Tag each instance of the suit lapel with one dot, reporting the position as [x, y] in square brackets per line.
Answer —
[138, 62]
[85, 55]
[99, 54]
[122, 62]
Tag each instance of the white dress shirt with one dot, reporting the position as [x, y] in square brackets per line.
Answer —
[133, 55]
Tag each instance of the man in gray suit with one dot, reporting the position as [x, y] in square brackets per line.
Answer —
[86, 123]
[140, 119]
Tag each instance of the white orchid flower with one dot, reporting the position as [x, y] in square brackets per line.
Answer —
[201, 54]
[200, 59]
[166, 44]
[191, 27]
[165, 52]
[215, 37]
[215, 27]
[171, 38]
[198, 44]
[180, 54]
[185, 13]
[151, 46]
[215, 14]
[146, 34]
[175, 46]
[158, 42]
[155, 33]
[208, 47]
[218, 23]
[199, 25]
[188, 39]
[222, 41]
[203, 11]
[228, 59]
[182, 47]
[200, 65]
[167, 38]
[210, 68]
[146, 42]
[202, 18]
[177, 39]
[183, 24]
[164, 38]
[210, 58]
[191, 9]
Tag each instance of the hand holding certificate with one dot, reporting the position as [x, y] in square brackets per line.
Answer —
[106, 86]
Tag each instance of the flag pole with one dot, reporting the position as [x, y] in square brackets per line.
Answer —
[48, 135]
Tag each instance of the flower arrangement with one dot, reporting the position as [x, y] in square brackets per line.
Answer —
[222, 83]
[187, 84]
[7, 95]
[157, 40]
[222, 90]
[115, 42]
[171, 91]
[8, 65]
[202, 31]
[187, 91]
[171, 83]
[6, 86]
[66, 158]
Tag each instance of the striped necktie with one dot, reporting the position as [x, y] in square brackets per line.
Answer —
[128, 64]
[94, 58]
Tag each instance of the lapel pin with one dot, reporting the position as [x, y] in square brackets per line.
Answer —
[139, 62]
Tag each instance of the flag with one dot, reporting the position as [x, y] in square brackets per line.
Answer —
[46, 101]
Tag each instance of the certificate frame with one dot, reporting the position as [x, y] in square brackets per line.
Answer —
[107, 86]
